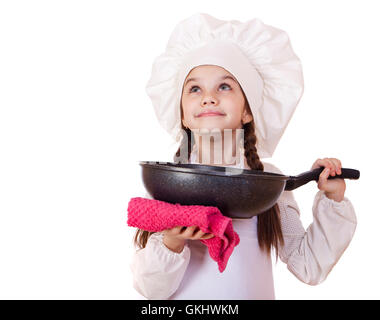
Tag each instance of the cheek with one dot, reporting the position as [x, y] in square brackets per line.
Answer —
[234, 104]
[234, 99]
[187, 112]
[189, 105]
[235, 118]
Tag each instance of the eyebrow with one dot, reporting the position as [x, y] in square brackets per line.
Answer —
[221, 78]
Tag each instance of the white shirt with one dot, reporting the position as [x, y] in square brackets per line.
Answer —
[159, 273]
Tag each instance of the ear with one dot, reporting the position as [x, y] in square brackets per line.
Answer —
[247, 117]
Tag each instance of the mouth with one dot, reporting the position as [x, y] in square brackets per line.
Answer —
[209, 114]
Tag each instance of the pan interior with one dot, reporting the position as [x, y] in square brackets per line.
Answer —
[213, 170]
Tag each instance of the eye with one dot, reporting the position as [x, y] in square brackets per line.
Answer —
[222, 85]
[191, 89]
[225, 84]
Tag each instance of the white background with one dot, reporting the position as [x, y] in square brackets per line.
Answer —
[75, 120]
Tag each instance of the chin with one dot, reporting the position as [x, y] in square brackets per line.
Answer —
[212, 129]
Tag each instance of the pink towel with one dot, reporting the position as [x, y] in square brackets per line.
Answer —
[155, 215]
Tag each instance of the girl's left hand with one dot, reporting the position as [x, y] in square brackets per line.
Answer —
[334, 188]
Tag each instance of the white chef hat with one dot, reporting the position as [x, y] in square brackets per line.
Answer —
[259, 56]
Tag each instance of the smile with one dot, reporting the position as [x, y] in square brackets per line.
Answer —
[210, 114]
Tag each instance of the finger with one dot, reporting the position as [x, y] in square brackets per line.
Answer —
[329, 164]
[198, 234]
[207, 236]
[173, 231]
[322, 163]
[334, 167]
[325, 173]
[188, 233]
[204, 235]
[323, 178]
[338, 165]
[316, 164]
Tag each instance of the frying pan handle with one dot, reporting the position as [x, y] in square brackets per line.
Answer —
[346, 174]
[303, 178]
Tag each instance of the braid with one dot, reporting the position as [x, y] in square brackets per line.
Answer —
[182, 146]
[250, 150]
[268, 223]
[141, 238]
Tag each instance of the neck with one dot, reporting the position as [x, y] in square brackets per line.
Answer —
[219, 148]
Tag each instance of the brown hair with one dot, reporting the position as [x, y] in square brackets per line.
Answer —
[269, 231]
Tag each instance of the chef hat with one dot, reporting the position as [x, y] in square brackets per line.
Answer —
[259, 56]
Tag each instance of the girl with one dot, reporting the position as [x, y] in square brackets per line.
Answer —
[231, 75]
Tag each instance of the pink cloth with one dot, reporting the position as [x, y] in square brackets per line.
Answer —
[155, 215]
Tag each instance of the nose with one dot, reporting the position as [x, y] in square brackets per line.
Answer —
[208, 100]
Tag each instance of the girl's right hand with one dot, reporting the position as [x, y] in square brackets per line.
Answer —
[175, 238]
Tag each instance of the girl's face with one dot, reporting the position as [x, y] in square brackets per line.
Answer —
[212, 98]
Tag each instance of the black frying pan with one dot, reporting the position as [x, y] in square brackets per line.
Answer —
[237, 193]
